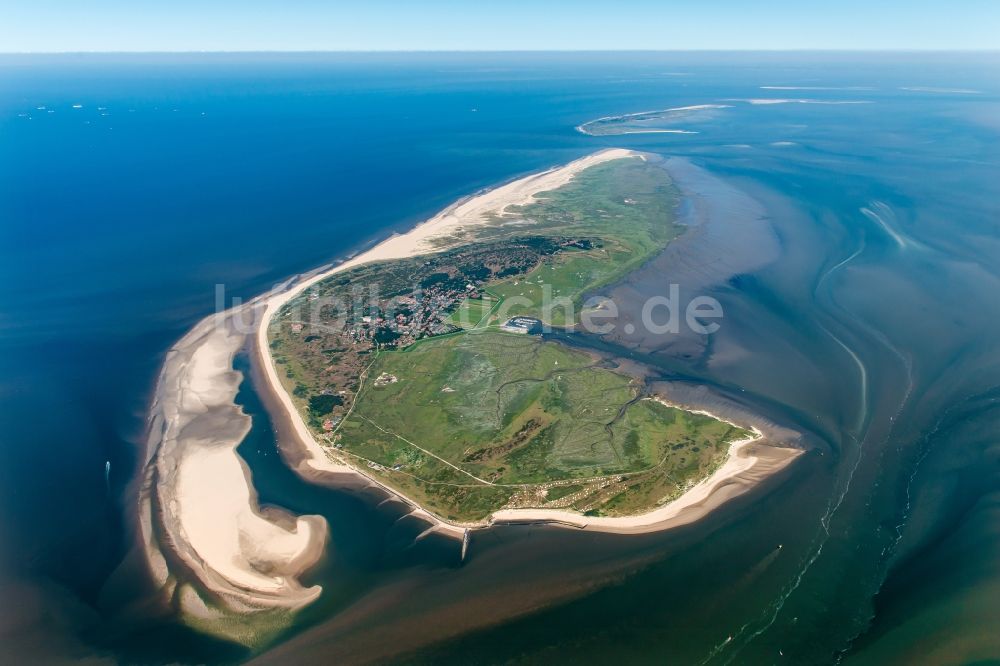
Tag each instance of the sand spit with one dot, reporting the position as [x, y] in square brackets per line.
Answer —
[767, 101]
[198, 502]
[470, 212]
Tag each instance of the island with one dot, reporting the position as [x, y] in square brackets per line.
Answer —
[435, 368]
[660, 121]
[427, 371]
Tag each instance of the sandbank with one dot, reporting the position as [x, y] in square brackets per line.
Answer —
[198, 500]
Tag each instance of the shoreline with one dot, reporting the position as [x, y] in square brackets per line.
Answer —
[737, 474]
[582, 127]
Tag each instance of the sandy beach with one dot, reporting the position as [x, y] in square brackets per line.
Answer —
[748, 462]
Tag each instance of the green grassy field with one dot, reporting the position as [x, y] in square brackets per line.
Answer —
[477, 420]
[472, 311]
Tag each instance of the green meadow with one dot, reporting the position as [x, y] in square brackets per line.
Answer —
[481, 420]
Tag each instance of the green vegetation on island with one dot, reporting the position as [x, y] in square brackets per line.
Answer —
[415, 372]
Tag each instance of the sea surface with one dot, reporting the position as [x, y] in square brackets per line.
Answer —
[855, 248]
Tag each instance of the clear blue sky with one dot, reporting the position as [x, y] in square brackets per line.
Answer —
[296, 25]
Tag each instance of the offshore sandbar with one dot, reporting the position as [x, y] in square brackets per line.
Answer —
[198, 502]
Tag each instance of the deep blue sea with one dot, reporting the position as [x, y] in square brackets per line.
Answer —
[131, 186]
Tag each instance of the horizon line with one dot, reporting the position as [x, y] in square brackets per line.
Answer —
[504, 51]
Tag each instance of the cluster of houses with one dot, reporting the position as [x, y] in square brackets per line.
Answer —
[412, 317]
